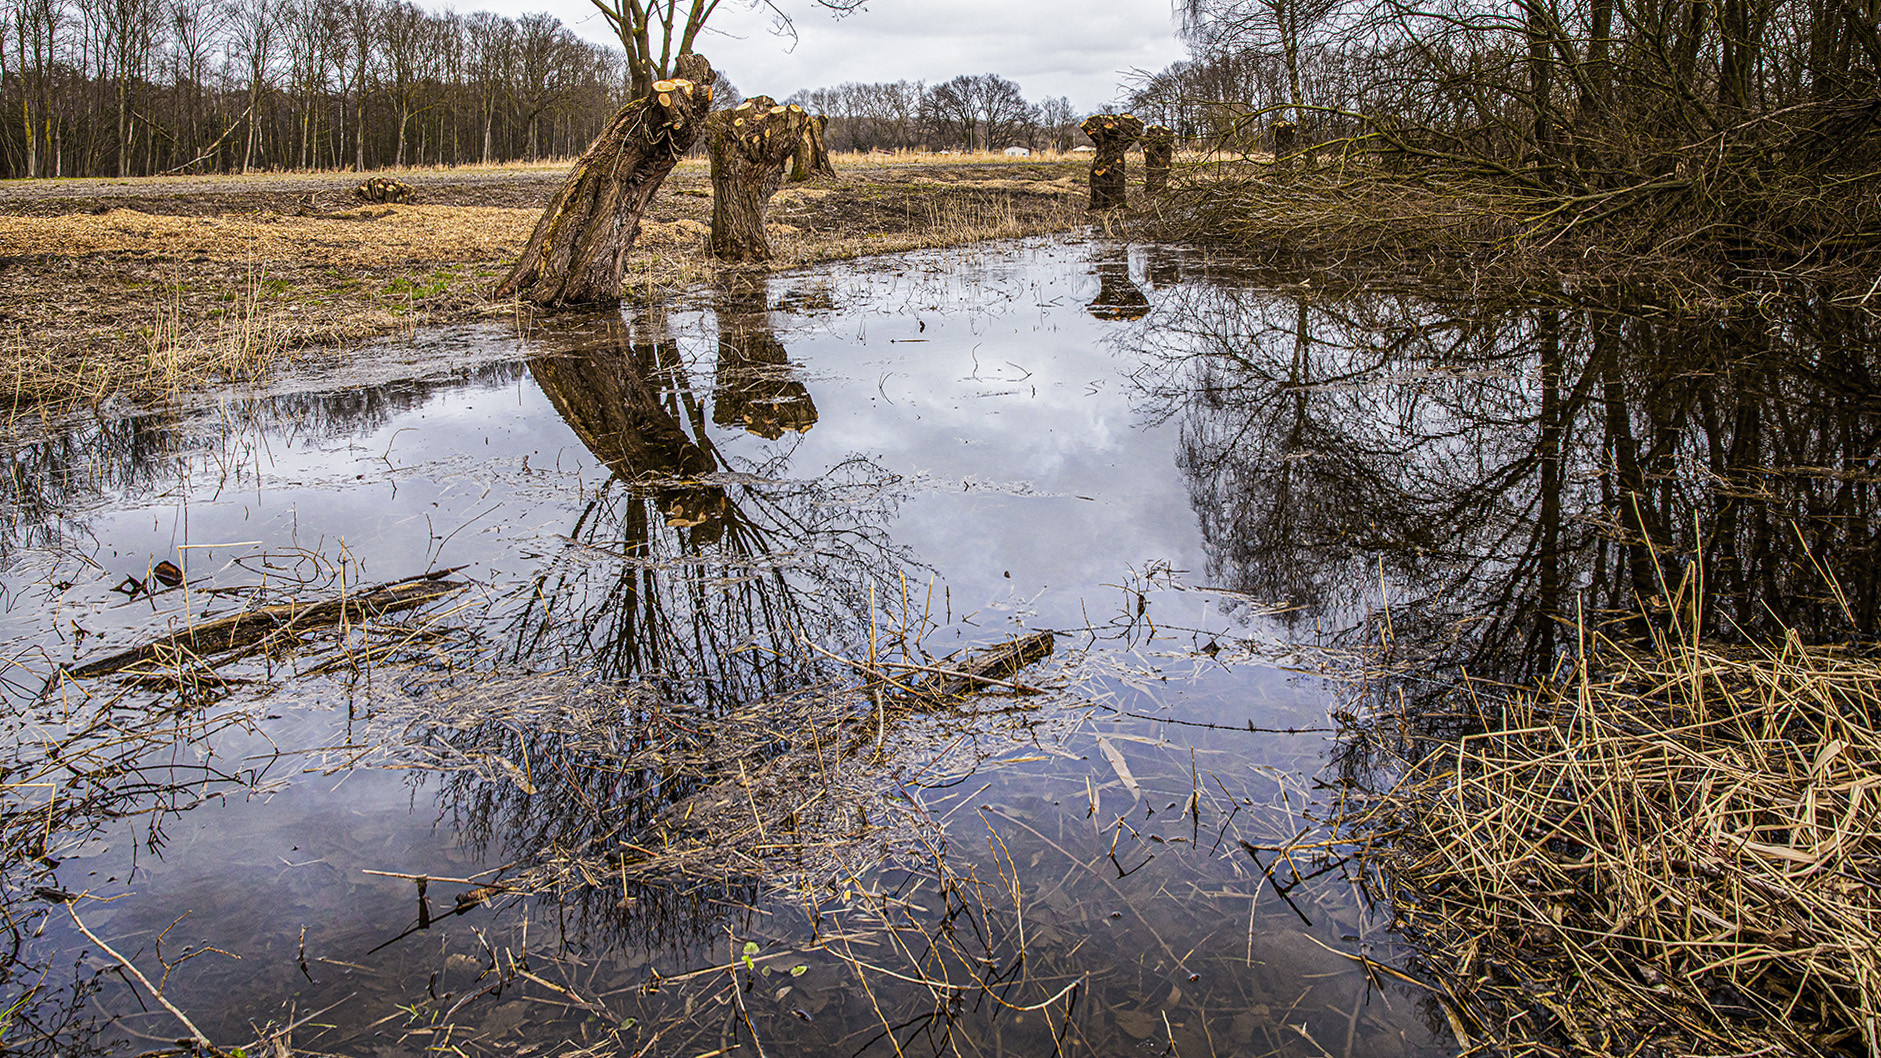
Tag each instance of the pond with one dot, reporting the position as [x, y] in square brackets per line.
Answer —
[588, 689]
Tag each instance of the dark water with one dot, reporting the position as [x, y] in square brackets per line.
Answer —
[1222, 489]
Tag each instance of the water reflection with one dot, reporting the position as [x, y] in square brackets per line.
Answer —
[685, 569]
[757, 388]
[54, 473]
[1499, 470]
[1118, 298]
[696, 589]
[708, 529]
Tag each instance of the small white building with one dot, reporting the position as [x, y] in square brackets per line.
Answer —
[1084, 149]
[1018, 152]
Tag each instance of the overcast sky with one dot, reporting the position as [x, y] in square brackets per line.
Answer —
[1074, 48]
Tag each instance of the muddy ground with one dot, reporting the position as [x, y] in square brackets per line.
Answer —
[133, 286]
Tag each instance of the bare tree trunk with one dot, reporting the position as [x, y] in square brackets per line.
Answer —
[580, 244]
[749, 145]
[1113, 134]
[812, 157]
[1159, 149]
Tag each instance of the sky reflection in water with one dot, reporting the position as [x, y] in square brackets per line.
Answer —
[1201, 479]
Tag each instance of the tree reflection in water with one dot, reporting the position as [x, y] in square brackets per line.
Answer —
[681, 612]
[1117, 297]
[1505, 469]
[756, 388]
[686, 570]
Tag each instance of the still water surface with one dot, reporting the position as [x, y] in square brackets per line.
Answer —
[1224, 491]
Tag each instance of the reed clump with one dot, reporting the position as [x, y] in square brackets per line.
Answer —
[1671, 850]
[1340, 210]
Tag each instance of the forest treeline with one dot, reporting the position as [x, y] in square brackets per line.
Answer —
[140, 87]
[143, 87]
[970, 112]
[1747, 123]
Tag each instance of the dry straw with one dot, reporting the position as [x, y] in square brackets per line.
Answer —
[1671, 850]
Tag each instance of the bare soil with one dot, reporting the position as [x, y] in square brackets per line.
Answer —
[147, 285]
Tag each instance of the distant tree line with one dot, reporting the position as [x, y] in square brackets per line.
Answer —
[140, 87]
[983, 112]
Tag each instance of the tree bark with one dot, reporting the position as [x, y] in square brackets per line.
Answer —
[1159, 148]
[812, 156]
[579, 246]
[750, 144]
[1112, 134]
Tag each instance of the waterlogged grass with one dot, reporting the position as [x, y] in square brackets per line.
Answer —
[1670, 849]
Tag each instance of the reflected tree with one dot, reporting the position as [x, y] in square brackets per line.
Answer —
[1117, 297]
[691, 598]
[1503, 472]
[755, 386]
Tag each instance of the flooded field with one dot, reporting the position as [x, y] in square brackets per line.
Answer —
[602, 692]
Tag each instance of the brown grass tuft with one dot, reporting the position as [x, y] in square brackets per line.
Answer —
[1673, 850]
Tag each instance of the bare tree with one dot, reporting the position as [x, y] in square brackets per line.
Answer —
[952, 111]
[657, 32]
[1002, 109]
[257, 28]
[1058, 122]
[492, 46]
[545, 68]
[580, 244]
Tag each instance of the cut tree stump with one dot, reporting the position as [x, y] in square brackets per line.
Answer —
[1286, 137]
[749, 144]
[812, 157]
[576, 253]
[1159, 148]
[1113, 134]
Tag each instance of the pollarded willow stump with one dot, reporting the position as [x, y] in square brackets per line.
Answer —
[577, 251]
[1112, 134]
[1159, 149]
[750, 145]
[1286, 137]
[812, 157]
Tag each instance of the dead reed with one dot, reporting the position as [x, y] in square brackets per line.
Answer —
[1669, 850]
[1486, 225]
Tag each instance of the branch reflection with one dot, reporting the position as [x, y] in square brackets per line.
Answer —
[1499, 471]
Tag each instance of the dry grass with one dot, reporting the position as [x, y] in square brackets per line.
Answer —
[370, 236]
[1456, 225]
[205, 280]
[1673, 850]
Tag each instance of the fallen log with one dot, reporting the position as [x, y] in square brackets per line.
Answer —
[992, 666]
[223, 634]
